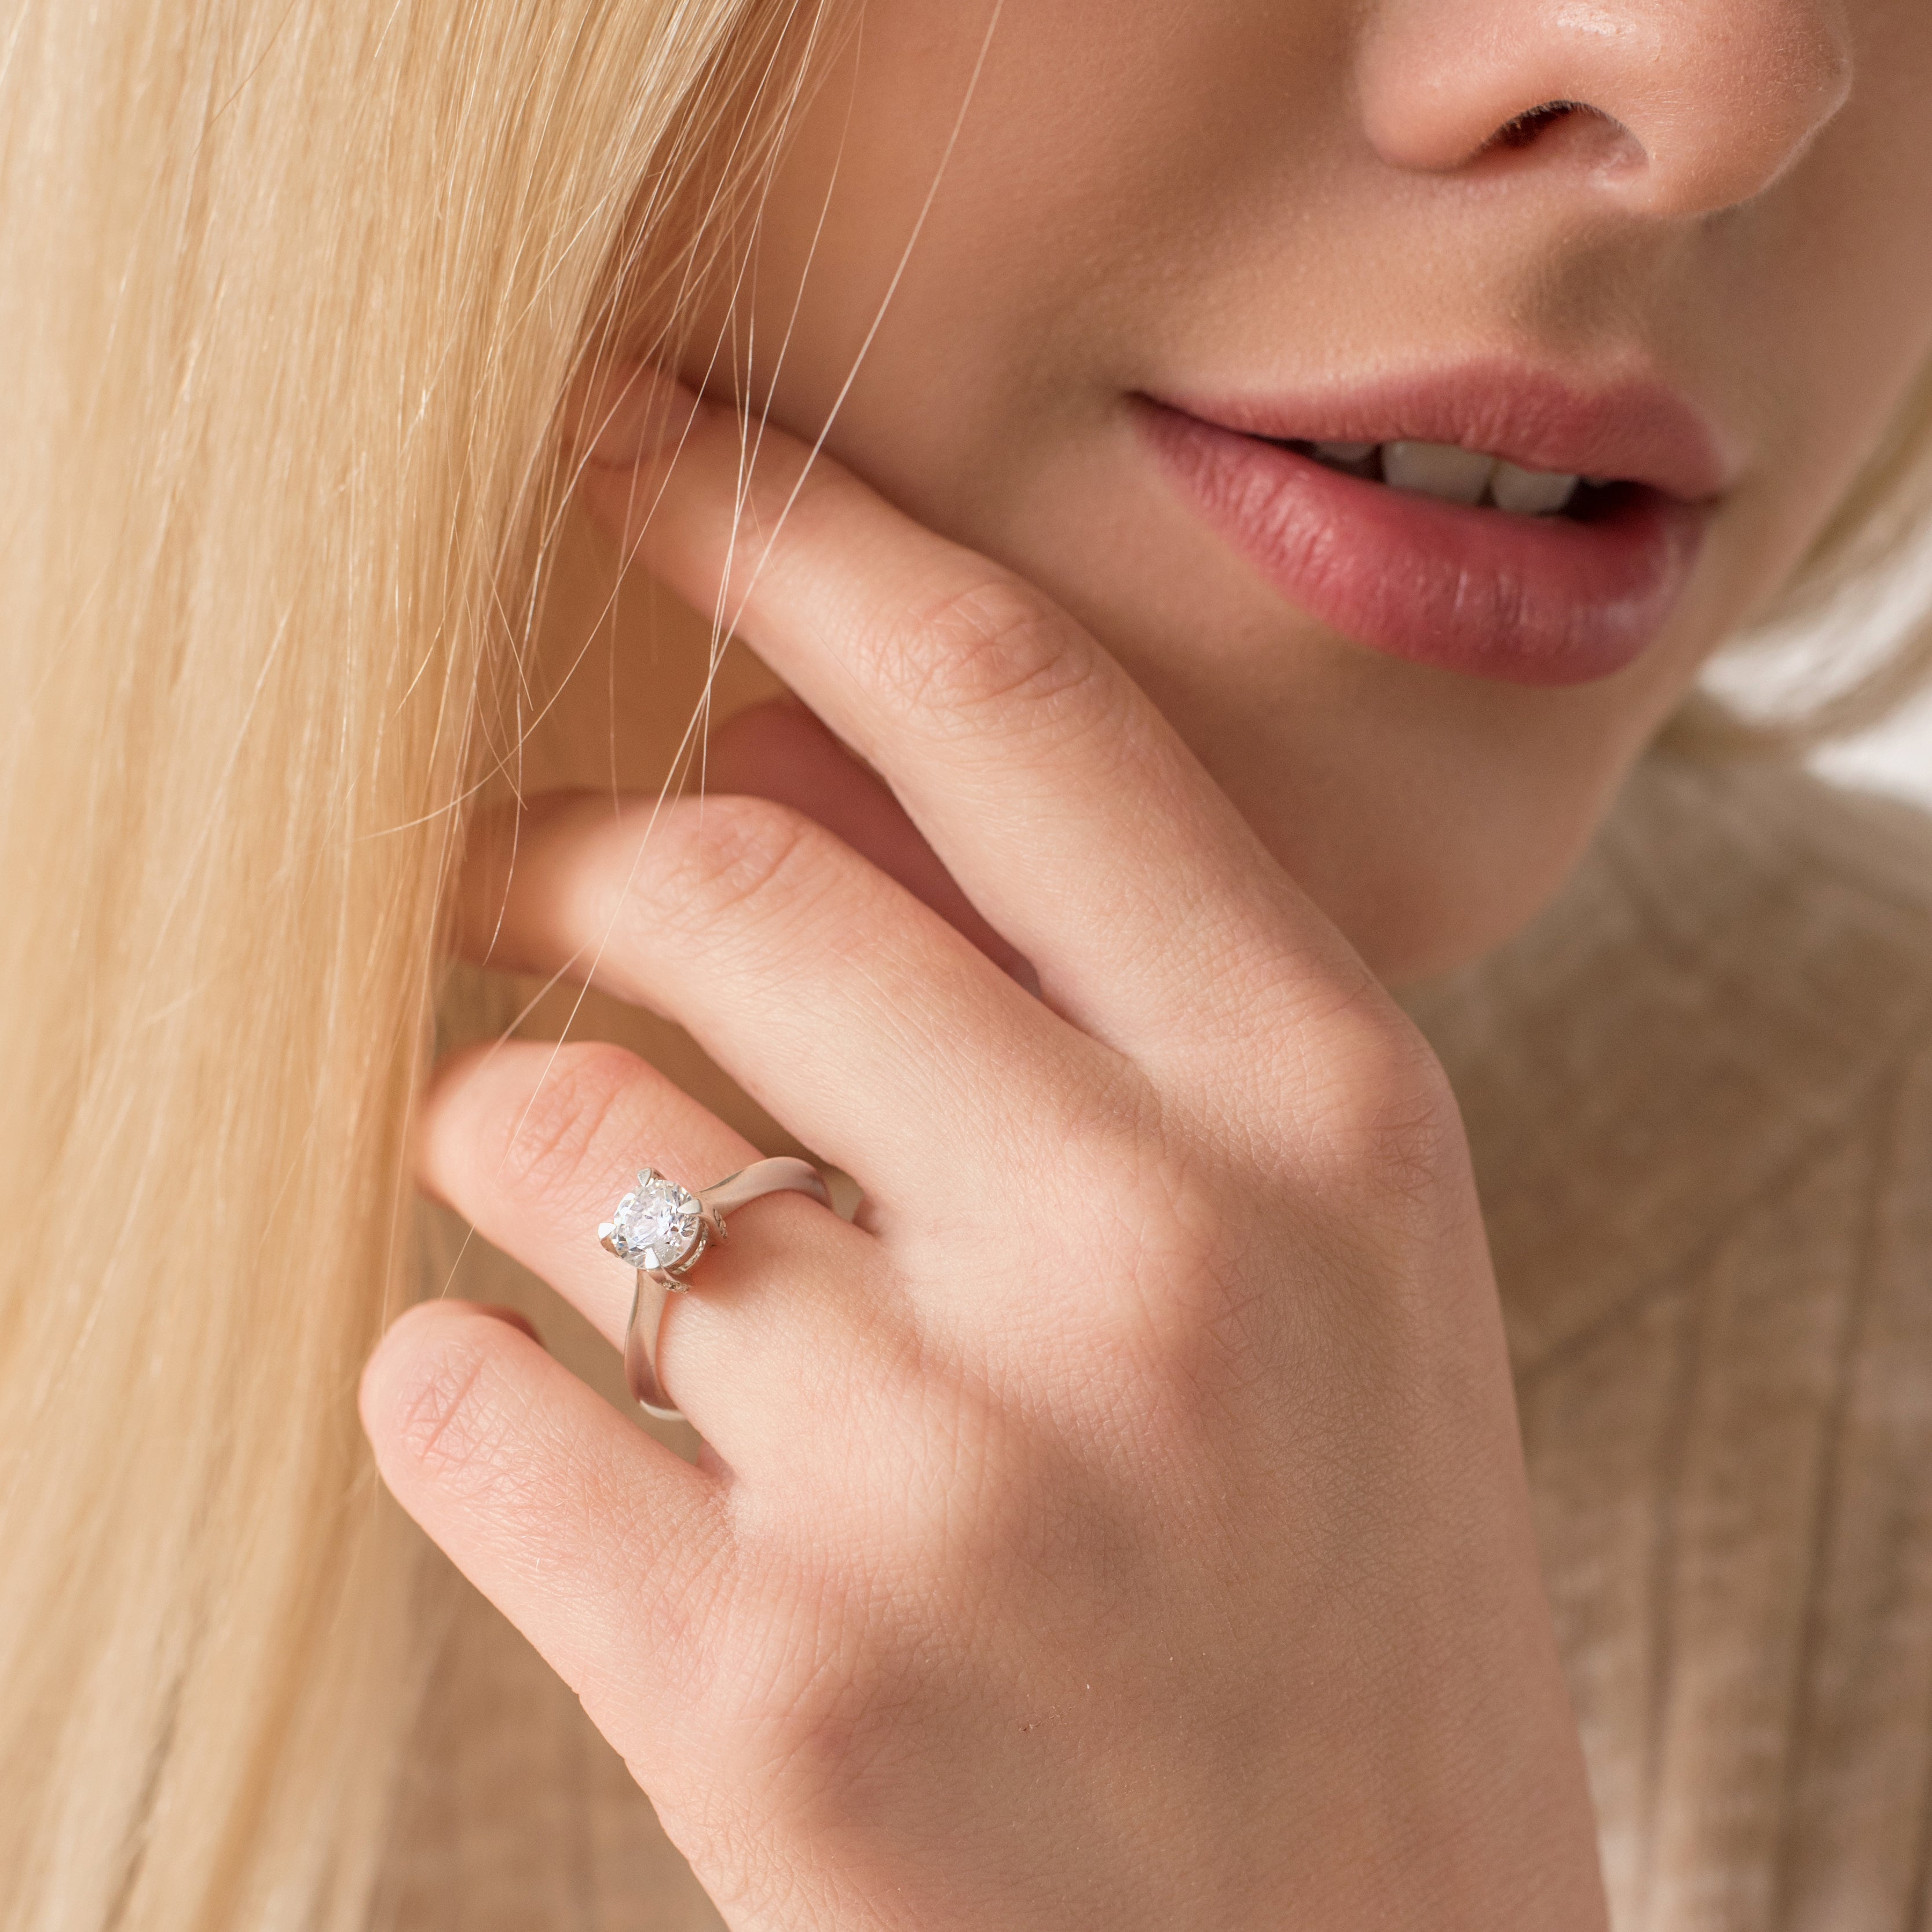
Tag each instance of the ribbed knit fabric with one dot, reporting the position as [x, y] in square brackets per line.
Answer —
[1699, 1094]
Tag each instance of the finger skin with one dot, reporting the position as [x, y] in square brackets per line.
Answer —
[591, 1537]
[850, 1012]
[1051, 788]
[515, 1317]
[779, 750]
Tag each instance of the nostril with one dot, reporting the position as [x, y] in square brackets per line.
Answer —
[1524, 127]
[1659, 108]
[1563, 131]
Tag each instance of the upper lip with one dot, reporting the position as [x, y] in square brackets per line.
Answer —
[1634, 430]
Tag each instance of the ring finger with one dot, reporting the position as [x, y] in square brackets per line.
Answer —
[852, 1012]
[533, 1144]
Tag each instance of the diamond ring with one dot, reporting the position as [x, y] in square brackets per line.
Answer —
[662, 1230]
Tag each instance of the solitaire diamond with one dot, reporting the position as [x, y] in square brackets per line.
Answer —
[656, 1226]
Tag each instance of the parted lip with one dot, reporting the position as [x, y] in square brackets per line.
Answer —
[1540, 600]
[1632, 429]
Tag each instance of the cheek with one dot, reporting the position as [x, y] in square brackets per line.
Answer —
[1055, 223]
[890, 216]
[1832, 329]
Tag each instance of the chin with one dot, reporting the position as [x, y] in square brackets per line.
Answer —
[1423, 878]
[1410, 951]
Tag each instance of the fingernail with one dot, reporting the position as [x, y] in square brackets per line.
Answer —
[646, 408]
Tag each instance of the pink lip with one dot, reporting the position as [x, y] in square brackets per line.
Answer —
[1530, 600]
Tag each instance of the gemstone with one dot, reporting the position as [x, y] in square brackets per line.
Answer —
[656, 1225]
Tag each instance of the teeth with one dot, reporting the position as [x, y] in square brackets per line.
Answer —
[1531, 493]
[1437, 469]
[1454, 475]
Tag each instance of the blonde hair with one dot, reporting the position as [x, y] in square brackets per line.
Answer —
[294, 293]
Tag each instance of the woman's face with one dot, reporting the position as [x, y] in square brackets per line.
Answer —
[1676, 246]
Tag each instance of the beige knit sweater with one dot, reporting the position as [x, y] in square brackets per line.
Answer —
[1699, 1093]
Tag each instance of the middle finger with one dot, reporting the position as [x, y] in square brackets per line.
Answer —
[890, 1045]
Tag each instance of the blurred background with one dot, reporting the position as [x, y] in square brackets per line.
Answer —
[1783, 673]
[1896, 758]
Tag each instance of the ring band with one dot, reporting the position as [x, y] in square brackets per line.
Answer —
[661, 1229]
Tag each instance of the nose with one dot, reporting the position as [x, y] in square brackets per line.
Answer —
[1670, 107]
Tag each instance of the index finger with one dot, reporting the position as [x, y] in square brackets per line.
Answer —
[1059, 798]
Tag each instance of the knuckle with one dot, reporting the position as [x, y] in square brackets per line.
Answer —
[998, 645]
[722, 856]
[1389, 1124]
[449, 1413]
[547, 1144]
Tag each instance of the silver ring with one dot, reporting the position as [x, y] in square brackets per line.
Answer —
[661, 1230]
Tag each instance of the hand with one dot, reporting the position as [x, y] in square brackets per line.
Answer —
[1124, 1525]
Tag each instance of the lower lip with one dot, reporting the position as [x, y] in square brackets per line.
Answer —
[1528, 600]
